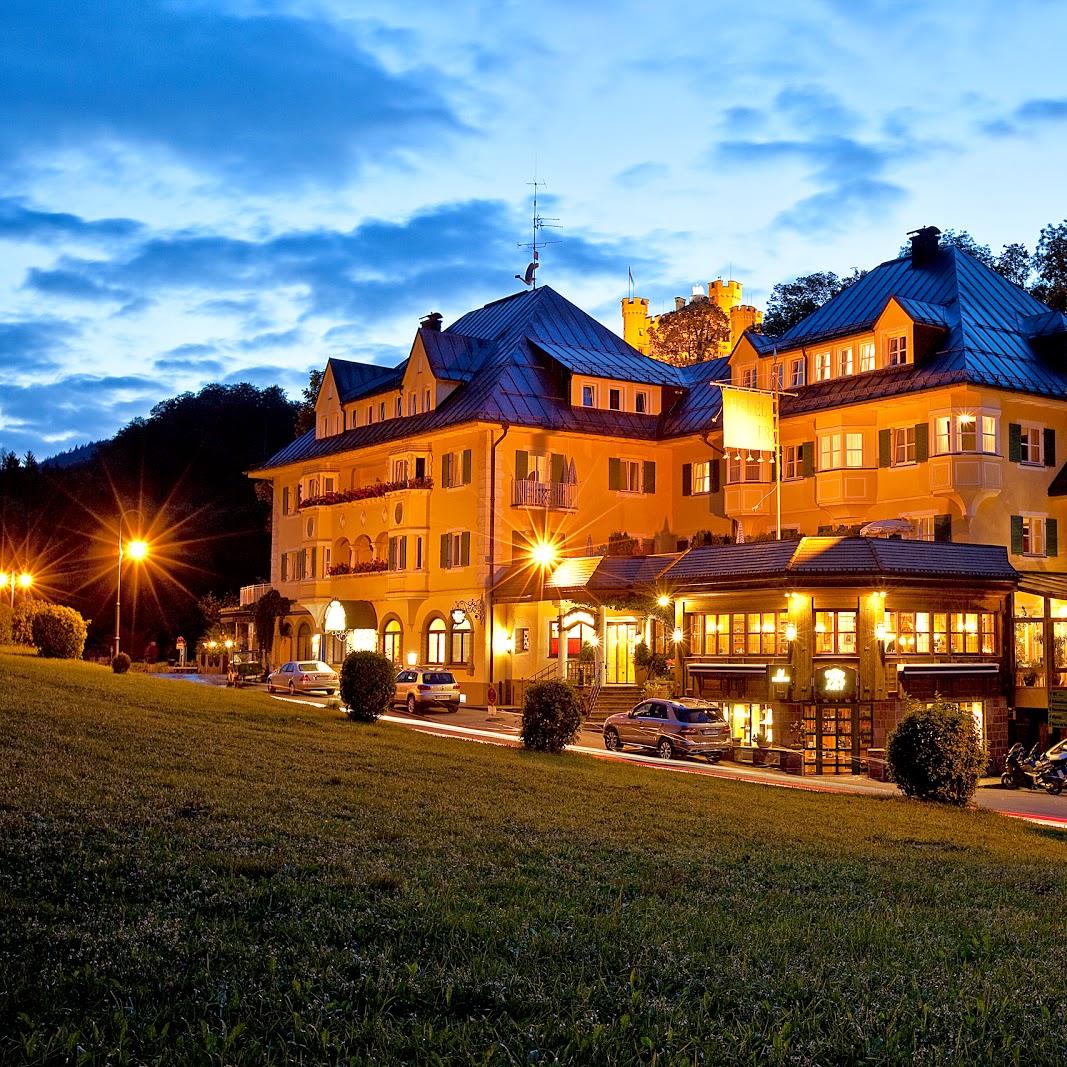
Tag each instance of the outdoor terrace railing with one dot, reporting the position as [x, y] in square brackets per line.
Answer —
[370, 566]
[531, 493]
[365, 492]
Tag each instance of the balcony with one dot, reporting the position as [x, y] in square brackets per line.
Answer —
[532, 493]
[748, 499]
[365, 492]
[250, 594]
[846, 492]
[969, 479]
[371, 566]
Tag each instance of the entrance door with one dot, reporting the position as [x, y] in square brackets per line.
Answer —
[619, 656]
[837, 737]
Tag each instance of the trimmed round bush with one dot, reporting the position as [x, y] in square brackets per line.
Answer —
[58, 632]
[935, 753]
[551, 716]
[121, 663]
[22, 620]
[368, 685]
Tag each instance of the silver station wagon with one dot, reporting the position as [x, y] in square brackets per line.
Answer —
[682, 726]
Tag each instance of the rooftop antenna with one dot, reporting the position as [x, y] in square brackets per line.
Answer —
[540, 222]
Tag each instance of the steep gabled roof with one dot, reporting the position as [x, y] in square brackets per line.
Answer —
[355, 380]
[454, 357]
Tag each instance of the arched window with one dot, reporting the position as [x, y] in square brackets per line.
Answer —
[461, 642]
[303, 641]
[363, 550]
[392, 640]
[435, 641]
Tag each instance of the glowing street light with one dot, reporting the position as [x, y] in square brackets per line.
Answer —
[136, 550]
[11, 579]
[544, 554]
[663, 600]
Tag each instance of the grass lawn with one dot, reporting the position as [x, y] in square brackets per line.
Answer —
[190, 875]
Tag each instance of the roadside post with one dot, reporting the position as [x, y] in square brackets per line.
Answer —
[490, 700]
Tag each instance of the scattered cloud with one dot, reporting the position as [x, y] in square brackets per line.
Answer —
[641, 174]
[1028, 117]
[19, 222]
[262, 99]
[32, 345]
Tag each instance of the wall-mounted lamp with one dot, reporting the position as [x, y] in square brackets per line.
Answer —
[509, 644]
[593, 641]
[790, 632]
[663, 600]
[413, 658]
[678, 635]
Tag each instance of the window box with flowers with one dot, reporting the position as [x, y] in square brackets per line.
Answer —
[365, 492]
[369, 566]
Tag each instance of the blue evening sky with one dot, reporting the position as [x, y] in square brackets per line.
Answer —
[230, 190]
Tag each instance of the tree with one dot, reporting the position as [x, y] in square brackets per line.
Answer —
[1014, 263]
[269, 607]
[691, 334]
[551, 716]
[1050, 265]
[59, 632]
[305, 416]
[795, 300]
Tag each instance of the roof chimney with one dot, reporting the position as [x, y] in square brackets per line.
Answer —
[924, 245]
[679, 303]
[432, 321]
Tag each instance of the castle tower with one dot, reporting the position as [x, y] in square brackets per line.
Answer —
[742, 317]
[635, 322]
[726, 294]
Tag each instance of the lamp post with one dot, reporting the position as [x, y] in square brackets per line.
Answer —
[136, 550]
[23, 581]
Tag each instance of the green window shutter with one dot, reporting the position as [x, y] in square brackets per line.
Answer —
[807, 463]
[1015, 442]
[716, 475]
[1016, 535]
[445, 540]
[614, 474]
[522, 464]
[942, 527]
[446, 470]
[648, 477]
[392, 553]
[885, 448]
[466, 466]
[922, 441]
[1050, 447]
[1052, 545]
[464, 548]
[403, 553]
[687, 479]
[557, 467]
[285, 500]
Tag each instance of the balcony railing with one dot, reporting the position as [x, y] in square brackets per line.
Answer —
[370, 566]
[250, 594]
[531, 493]
[366, 492]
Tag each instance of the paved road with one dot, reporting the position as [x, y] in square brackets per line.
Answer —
[473, 724]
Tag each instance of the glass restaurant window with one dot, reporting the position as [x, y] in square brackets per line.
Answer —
[751, 633]
[1029, 640]
[1058, 612]
[939, 632]
[835, 633]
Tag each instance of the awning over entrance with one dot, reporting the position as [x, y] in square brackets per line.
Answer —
[728, 668]
[343, 615]
[1053, 585]
[907, 669]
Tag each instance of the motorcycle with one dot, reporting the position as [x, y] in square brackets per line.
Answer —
[1034, 770]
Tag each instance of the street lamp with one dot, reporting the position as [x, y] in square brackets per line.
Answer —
[23, 581]
[136, 550]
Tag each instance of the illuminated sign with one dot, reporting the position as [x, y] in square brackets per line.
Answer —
[573, 618]
[459, 616]
[781, 677]
[836, 683]
[747, 420]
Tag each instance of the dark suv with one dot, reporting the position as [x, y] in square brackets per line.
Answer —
[683, 726]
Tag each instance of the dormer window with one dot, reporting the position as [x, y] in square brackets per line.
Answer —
[426, 400]
[641, 402]
[370, 414]
[413, 404]
[615, 399]
[748, 378]
[796, 373]
[399, 407]
[381, 412]
[822, 366]
[897, 351]
[844, 362]
[588, 396]
[866, 356]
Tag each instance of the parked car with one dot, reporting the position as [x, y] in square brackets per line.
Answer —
[304, 676]
[679, 727]
[422, 687]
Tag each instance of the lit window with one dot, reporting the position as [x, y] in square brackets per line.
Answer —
[796, 373]
[903, 445]
[631, 476]
[922, 633]
[897, 351]
[461, 642]
[830, 452]
[792, 466]
[641, 403]
[867, 356]
[749, 634]
[701, 478]
[588, 396]
[435, 642]
[989, 434]
[922, 527]
[854, 450]
[778, 376]
[1033, 536]
[615, 399]
[822, 366]
[744, 467]
[1030, 445]
[844, 362]
[835, 633]
[381, 412]
[965, 432]
[413, 404]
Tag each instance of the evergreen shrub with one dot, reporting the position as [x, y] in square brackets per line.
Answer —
[368, 685]
[551, 716]
[58, 632]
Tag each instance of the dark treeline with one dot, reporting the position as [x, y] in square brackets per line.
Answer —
[176, 479]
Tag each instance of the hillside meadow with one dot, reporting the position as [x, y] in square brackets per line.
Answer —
[199, 876]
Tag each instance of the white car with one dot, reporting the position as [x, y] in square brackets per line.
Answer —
[304, 676]
[419, 688]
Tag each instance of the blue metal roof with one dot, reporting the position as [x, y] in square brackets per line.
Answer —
[354, 379]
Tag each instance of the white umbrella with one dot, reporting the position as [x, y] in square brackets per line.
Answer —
[885, 527]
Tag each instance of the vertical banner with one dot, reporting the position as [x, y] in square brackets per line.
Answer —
[747, 420]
